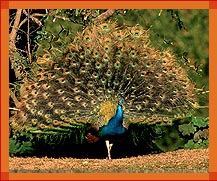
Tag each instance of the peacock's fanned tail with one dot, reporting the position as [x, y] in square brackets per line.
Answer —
[104, 63]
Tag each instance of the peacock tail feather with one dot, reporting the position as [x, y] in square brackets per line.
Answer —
[82, 84]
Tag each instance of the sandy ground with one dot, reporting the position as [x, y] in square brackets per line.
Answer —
[175, 161]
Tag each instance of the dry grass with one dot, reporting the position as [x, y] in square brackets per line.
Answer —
[175, 161]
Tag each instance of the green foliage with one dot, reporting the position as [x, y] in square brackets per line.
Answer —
[170, 140]
[187, 129]
[45, 143]
[182, 133]
[196, 124]
[17, 148]
[156, 137]
[48, 39]
[200, 122]
[192, 133]
[200, 144]
[198, 131]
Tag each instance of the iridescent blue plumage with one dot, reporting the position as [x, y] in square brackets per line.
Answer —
[115, 124]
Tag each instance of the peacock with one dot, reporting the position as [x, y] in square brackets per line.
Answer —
[108, 77]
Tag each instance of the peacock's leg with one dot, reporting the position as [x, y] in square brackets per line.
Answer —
[109, 146]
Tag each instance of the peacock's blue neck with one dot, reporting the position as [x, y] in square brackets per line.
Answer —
[117, 119]
[114, 126]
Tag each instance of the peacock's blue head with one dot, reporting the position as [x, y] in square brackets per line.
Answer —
[121, 101]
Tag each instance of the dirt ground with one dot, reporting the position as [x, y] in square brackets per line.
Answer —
[175, 161]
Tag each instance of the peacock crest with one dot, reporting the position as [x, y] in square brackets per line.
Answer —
[105, 63]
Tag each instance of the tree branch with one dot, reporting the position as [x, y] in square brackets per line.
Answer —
[12, 40]
[33, 18]
[14, 98]
[105, 15]
[28, 40]
[13, 34]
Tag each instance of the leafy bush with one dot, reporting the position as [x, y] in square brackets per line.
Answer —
[17, 148]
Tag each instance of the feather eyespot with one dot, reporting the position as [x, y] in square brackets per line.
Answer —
[47, 116]
[78, 81]
[90, 84]
[56, 111]
[98, 65]
[117, 65]
[76, 90]
[34, 93]
[34, 122]
[128, 76]
[28, 106]
[33, 111]
[63, 98]
[42, 126]
[61, 80]
[90, 93]
[77, 98]
[93, 102]
[105, 58]
[50, 104]
[60, 91]
[45, 95]
[55, 122]
[45, 86]
[40, 113]
[48, 121]
[108, 73]
[63, 117]
[87, 38]
[103, 80]
[68, 103]
[82, 70]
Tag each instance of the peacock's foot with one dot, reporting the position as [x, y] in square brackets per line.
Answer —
[109, 147]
